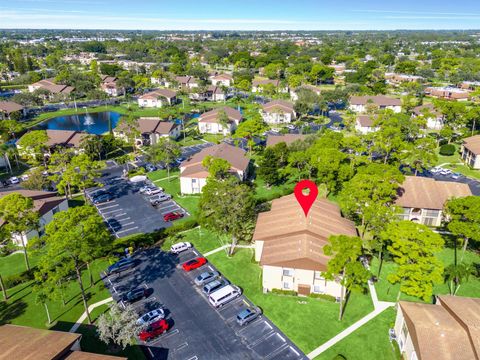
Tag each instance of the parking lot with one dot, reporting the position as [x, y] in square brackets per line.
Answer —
[129, 211]
[199, 331]
[473, 184]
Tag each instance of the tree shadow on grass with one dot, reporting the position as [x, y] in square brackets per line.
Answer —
[10, 311]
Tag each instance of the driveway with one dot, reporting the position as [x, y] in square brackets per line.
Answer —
[199, 331]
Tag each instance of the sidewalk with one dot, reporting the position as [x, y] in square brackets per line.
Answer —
[90, 309]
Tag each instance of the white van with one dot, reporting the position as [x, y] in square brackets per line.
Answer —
[179, 247]
[224, 295]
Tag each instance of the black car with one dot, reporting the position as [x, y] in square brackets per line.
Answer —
[105, 197]
[134, 295]
[121, 265]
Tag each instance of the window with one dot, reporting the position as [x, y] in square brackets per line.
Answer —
[404, 330]
[432, 213]
[286, 285]
[317, 289]
[194, 181]
[287, 272]
[318, 275]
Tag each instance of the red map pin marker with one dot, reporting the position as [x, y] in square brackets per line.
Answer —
[306, 201]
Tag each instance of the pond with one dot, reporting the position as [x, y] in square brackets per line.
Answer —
[94, 123]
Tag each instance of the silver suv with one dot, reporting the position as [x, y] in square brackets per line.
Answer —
[159, 198]
[206, 277]
[214, 286]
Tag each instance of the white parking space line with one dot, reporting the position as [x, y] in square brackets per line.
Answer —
[146, 286]
[132, 228]
[195, 252]
[107, 207]
[112, 211]
[181, 346]
[130, 223]
[170, 334]
[113, 287]
[193, 358]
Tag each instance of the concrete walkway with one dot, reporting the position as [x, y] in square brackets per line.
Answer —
[226, 247]
[378, 306]
[90, 309]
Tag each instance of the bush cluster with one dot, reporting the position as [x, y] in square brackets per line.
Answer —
[447, 150]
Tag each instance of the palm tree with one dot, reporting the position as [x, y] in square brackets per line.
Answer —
[455, 275]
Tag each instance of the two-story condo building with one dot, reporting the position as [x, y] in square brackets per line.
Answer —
[422, 199]
[447, 330]
[359, 104]
[193, 175]
[289, 245]
[278, 112]
[158, 98]
[211, 121]
[471, 151]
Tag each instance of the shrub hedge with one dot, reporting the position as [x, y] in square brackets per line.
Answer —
[447, 150]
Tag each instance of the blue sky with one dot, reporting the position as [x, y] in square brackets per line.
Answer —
[240, 15]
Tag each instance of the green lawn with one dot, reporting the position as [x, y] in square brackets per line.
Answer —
[201, 238]
[307, 322]
[388, 292]
[276, 191]
[172, 187]
[371, 341]
[454, 164]
[21, 308]
[15, 263]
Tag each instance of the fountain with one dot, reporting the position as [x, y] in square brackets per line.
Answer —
[88, 118]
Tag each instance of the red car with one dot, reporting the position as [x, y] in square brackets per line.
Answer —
[173, 216]
[154, 329]
[194, 264]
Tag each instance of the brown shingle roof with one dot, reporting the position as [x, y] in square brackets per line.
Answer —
[9, 107]
[473, 144]
[222, 77]
[293, 240]
[155, 94]
[21, 342]
[278, 105]
[427, 193]
[150, 126]
[50, 85]
[258, 82]
[43, 201]
[64, 137]
[439, 332]
[235, 156]
[379, 100]
[286, 138]
[418, 110]
[365, 120]
[213, 115]
[80, 355]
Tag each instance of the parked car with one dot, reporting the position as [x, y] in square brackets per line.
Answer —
[247, 315]
[159, 198]
[120, 266]
[179, 247]
[173, 216]
[14, 180]
[224, 295]
[153, 190]
[435, 170]
[150, 167]
[456, 176]
[194, 263]
[206, 277]
[445, 172]
[151, 317]
[24, 177]
[291, 127]
[134, 295]
[154, 330]
[215, 285]
[106, 197]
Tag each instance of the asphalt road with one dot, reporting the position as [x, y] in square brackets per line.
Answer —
[199, 331]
